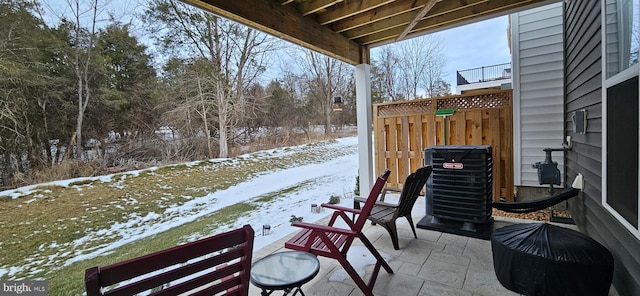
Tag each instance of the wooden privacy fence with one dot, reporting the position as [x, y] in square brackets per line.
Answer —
[404, 129]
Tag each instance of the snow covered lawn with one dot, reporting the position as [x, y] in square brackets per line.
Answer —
[287, 181]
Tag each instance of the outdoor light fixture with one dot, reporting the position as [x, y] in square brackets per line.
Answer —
[337, 104]
[266, 229]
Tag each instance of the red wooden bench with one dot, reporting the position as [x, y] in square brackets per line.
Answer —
[213, 265]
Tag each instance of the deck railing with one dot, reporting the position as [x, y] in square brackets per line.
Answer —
[484, 74]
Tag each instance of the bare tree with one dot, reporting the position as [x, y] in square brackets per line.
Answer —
[413, 63]
[325, 78]
[186, 105]
[413, 66]
[388, 65]
[82, 42]
[434, 59]
[237, 55]
[299, 112]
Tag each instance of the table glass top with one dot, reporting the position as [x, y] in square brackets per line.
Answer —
[284, 269]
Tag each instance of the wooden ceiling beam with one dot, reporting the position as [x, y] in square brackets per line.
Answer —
[347, 9]
[284, 21]
[380, 26]
[437, 21]
[416, 19]
[377, 14]
[479, 12]
[313, 6]
[388, 24]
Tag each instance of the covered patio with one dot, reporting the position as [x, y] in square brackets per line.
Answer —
[434, 264]
[347, 30]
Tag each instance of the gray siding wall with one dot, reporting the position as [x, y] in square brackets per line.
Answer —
[583, 86]
[538, 89]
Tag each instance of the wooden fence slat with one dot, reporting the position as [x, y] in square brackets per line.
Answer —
[429, 132]
[494, 124]
[458, 127]
[508, 153]
[438, 124]
[475, 128]
[415, 128]
[393, 149]
[404, 147]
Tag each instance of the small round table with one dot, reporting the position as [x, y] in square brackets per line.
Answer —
[285, 271]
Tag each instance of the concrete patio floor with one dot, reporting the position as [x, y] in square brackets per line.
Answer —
[435, 263]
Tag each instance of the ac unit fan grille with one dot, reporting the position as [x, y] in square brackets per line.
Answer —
[460, 187]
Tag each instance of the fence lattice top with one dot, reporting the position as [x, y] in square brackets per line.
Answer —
[406, 107]
[491, 100]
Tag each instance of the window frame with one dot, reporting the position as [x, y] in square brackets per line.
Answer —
[607, 82]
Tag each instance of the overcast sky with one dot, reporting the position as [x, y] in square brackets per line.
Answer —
[475, 45]
[483, 43]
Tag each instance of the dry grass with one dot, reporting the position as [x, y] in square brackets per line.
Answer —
[68, 169]
[289, 140]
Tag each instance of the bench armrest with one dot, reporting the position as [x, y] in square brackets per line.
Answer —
[382, 195]
[340, 208]
[388, 205]
[357, 200]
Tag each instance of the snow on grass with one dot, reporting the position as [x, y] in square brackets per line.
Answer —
[294, 189]
[333, 177]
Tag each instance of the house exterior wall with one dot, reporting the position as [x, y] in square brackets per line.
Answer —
[484, 86]
[537, 40]
[583, 90]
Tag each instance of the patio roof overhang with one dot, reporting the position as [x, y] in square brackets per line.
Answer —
[346, 29]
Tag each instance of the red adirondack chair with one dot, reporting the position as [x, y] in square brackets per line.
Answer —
[334, 242]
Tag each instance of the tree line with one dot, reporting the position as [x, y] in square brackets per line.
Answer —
[81, 94]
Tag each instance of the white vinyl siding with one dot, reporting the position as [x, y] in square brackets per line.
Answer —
[538, 89]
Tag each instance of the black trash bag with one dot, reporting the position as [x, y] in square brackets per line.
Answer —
[544, 259]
